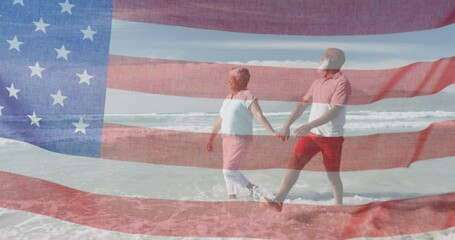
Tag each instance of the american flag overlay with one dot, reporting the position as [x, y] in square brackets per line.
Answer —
[54, 74]
[106, 107]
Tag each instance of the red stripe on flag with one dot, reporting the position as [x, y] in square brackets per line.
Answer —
[225, 219]
[209, 80]
[314, 17]
[379, 151]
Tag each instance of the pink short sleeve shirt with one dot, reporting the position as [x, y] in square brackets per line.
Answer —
[323, 93]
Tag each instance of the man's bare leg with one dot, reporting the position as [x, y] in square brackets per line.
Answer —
[286, 185]
[290, 178]
[337, 186]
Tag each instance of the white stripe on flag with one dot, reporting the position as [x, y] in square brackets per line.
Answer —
[121, 178]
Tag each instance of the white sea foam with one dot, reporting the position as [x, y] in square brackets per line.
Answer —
[396, 125]
[6, 142]
[272, 114]
[357, 122]
[411, 115]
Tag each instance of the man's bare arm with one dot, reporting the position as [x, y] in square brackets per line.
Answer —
[295, 114]
[325, 118]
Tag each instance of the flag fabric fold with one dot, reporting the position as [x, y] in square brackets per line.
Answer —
[328, 17]
[226, 219]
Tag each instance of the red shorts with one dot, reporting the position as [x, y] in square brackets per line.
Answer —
[310, 145]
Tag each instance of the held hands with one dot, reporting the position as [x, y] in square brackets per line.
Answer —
[302, 130]
[284, 133]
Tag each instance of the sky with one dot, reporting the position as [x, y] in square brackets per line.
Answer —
[366, 52]
[180, 43]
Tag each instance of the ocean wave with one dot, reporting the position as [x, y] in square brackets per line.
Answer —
[378, 116]
[387, 125]
[355, 120]
[350, 115]
[131, 115]
[8, 142]
[189, 114]
[273, 114]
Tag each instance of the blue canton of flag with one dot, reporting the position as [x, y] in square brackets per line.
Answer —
[53, 72]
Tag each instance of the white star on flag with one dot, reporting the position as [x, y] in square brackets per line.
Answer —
[13, 91]
[21, 2]
[34, 120]
[66, 7]
[58, 98]
[62, 52]
[84, 77]
[14, 44]
[36, 70]
[88, 33]
[41, 26]
[80, 126]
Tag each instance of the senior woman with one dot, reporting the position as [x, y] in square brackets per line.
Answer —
[236, 124]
